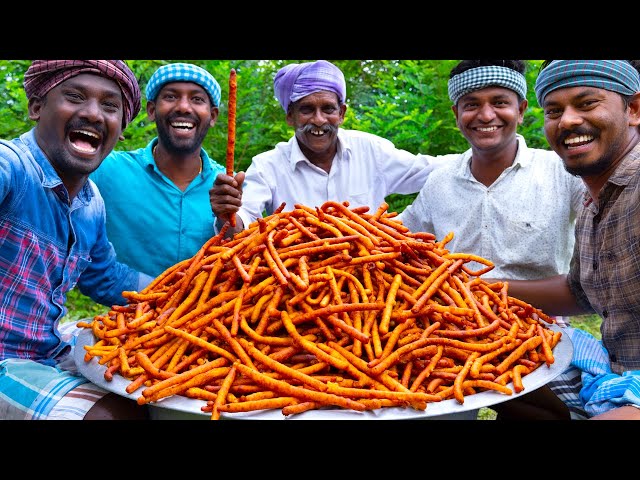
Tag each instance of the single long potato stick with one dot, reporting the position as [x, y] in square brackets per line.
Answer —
[300, 408]
[409, 398]
[201, 343]
[261, 404]
[458, 391]
[390, 302]
[221, 396]
[231, 130]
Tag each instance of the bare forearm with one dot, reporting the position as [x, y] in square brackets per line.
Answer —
[551, 295]
[621, 413]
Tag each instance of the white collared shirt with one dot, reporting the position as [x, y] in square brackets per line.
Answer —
[524, 222]
[365, 170]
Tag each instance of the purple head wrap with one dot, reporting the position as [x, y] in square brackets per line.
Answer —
[43, 75]
[297, 80]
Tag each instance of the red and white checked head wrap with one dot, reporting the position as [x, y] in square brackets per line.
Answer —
[43, 75]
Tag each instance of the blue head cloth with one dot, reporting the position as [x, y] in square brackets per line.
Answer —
[614, 75]
[183, 72]
[486, 76]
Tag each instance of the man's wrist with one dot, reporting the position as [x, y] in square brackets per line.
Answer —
[217, 225]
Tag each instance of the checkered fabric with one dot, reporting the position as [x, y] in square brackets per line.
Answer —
[486, 76]
[33, 391]
[43, 75]
[183, 72]
[588, 386]
[615, 75]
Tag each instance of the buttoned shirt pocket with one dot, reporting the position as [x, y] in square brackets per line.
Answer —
[360, 199]
[76, 265]
[528, 240]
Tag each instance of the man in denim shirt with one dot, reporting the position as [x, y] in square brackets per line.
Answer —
[53, 236]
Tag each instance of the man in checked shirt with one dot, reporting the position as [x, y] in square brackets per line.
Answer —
[591, 119]
[53, 237]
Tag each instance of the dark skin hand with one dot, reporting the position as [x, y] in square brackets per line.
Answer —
[620, 413]
[116, 407]
[552, 295]
[226, 198]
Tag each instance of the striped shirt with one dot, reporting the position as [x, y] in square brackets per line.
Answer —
[605, 268]
[47, 246]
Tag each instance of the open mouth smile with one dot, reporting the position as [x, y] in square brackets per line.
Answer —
[85, 141]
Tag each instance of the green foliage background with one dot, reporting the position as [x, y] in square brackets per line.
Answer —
[405, 101]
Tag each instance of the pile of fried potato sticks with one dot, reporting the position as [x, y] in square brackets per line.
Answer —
[332, 307]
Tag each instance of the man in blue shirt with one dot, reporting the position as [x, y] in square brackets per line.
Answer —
[157, 197]
[53, 236]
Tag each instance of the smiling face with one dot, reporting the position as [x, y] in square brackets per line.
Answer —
[183, 113]
[79, 122]
[590, 128]
[316, 119]
[488, 118]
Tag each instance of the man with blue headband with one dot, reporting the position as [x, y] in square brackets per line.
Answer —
[322, 161]
[503, 200]
[591, 118]
[157, 197]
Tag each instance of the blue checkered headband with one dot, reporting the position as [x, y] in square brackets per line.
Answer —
[486, 76]
[615, 75]
[183, 72]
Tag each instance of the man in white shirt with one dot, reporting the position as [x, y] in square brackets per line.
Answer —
[503, 201]
[513, 205]
[322, 161]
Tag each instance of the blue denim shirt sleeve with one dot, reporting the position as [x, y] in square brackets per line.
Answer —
[104, 278]
[50, 244]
